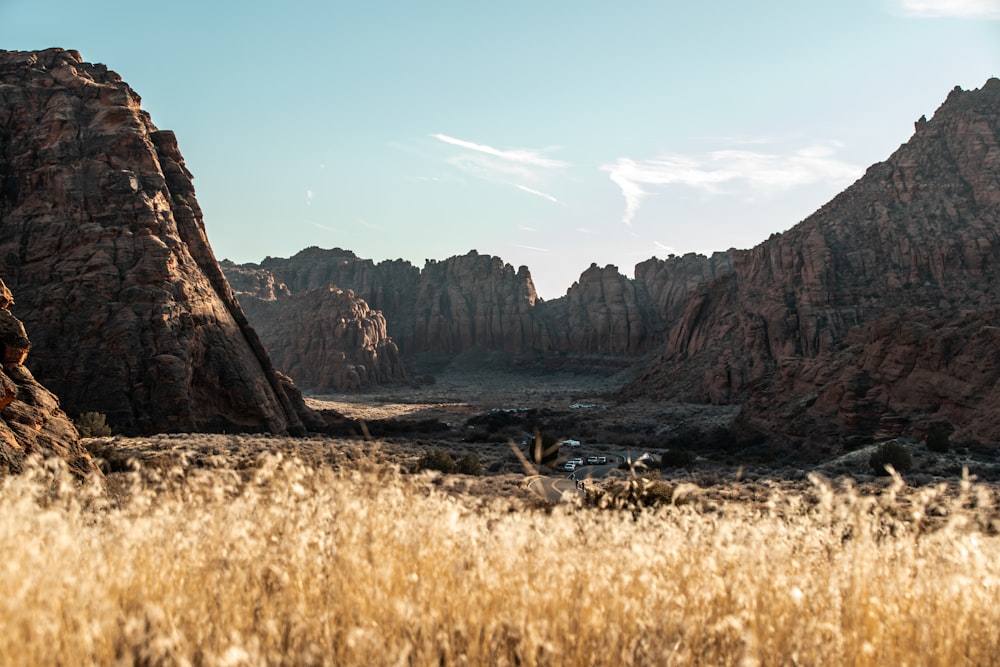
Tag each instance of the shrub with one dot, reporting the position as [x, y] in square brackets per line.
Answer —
[891, 453]
[108, 457]
[544, 449]
[469, 465]
[676, 458]
[937, 439]
[437, 460]
[93, 425]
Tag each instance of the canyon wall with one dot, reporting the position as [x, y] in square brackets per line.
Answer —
[862, 321]
[476, 300]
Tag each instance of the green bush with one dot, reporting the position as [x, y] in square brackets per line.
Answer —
[437, 460]
[469, 465]
[891, 453]
[93, 425]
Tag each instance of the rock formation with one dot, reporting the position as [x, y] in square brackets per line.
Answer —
[865, 320]
[324, 338]
[31, 421]
[102, 240]
[474, 300]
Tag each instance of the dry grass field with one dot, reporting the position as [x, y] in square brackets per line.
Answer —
[222, 552]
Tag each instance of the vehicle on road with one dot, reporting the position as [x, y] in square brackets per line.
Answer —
[576, 461]
[571, 443]
[569, 466]
[592, 460]
[601, 460]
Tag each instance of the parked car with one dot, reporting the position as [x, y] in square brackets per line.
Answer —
[571, 443]
[601, 460]
[576, 461]
[569, 466]
[592, 460]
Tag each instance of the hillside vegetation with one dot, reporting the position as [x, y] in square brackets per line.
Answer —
[287, 564]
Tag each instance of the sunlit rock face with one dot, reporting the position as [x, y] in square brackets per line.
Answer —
[873, 317]
[103, 242]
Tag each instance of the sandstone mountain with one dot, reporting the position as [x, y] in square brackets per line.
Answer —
[479, 301]
[875, 316]
[102, 239]
[325, 338]
[31, 421]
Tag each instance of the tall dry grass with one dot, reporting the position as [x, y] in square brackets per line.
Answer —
[291, 565]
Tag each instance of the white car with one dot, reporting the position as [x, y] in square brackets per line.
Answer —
[576, 462]
[569, 466]
[592, 460]
[571, 443]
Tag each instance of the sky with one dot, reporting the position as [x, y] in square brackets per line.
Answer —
[551, 133]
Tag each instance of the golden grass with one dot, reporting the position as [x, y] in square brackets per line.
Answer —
[294, 565]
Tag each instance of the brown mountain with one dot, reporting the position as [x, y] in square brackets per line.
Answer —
[480, 301]
[325, 338]
[31, 421]
[102, 239]
[873, 317]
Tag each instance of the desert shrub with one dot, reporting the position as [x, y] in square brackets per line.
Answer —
[633, 494]
[93, 425]
[437, 460]
[891, 453]
[107, 456]
[469, 465]
[937, 439]
[544, 449]
[676, 458]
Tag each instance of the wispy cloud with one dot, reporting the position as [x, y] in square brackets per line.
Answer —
[510, 167]
[665, 248]
[537, 193]
[530, 247]
[519, 155]
[740, 171]
[972, 9]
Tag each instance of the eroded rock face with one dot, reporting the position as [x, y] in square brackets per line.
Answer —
[480, 301]
[326, 339]
[31, 421]
[827, 329]
[103, 241]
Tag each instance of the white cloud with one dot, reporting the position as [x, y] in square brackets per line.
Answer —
[538, 193]
[309, 197]
[530, 247]
[741, 171]
[973, 9]
[665, 248]
[519, 155]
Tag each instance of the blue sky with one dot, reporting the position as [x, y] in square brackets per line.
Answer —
[551, 133]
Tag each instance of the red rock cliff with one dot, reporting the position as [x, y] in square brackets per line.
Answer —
[810, 321]
[103, 241]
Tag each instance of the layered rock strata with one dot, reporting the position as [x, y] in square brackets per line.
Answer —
[31, 421]
[862, 320]
[103, 241]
